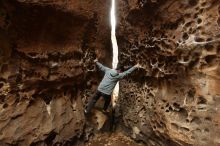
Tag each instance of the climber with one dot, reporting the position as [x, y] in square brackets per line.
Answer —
[107, 84]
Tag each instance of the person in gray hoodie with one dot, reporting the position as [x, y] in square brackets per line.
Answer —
[107, 84]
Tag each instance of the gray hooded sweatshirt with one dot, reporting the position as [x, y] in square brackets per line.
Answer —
[111, 78]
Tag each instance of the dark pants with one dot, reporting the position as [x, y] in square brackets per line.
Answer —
[97, 95]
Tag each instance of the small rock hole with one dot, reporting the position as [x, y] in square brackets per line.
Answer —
[210, 58]
[1, 85]
[201, 11]
[5, 105]
[209, 47]
[201, 100]
[199, 20]
[218, 21]
[203, 4]
[185, 36]
[199, 39]
[208, 119]
[188, 24]
[193, 2]
[196, 120]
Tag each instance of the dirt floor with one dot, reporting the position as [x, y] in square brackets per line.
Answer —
[115, 139]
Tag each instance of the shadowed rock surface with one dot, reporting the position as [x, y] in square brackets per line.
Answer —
[47, 74]
[47, 70]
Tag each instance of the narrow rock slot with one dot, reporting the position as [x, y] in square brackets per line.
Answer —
[115, 50]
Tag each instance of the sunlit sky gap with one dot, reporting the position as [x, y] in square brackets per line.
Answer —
[115, 50]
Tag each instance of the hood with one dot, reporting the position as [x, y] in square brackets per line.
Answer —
[114, 73]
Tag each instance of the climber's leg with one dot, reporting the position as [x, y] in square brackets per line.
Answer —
[93, 101]
[107, 99]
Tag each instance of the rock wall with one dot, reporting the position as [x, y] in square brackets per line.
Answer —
[47, 72]
[175, 98]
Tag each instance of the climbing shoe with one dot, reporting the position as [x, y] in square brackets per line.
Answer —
[85, 112]
[105, 111]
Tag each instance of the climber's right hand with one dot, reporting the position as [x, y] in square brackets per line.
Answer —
[96, 60]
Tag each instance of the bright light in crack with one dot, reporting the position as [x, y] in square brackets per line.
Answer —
[115, 50]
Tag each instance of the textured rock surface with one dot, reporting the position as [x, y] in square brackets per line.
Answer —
[47, 74]
[175, 98]
[46, 70]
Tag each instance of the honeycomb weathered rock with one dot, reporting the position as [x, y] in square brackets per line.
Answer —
[175, 96]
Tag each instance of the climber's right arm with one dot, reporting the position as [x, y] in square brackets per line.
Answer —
[101, 67]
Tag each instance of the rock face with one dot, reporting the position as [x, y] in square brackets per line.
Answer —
[175, 98]
[47, 72]
[47, 69]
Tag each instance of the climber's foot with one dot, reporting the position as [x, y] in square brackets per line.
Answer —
[86, 112]
[105, 111]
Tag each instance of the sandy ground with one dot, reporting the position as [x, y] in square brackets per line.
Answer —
[115, 139]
